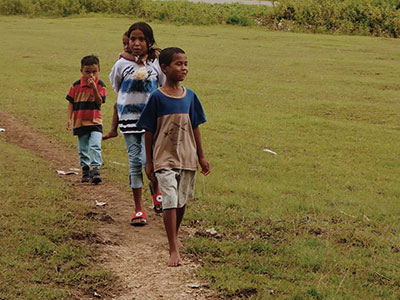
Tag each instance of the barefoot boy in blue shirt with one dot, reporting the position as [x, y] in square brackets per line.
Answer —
[171, 119]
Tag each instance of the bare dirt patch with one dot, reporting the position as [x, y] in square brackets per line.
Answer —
[137, 255]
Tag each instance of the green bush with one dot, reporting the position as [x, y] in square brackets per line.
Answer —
[361, 17]
[365, 17]
[174, 11]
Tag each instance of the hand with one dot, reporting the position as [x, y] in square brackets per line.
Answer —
[68, 124]
[92, 83]
[205, 166]
[142, 59]
[150, 172]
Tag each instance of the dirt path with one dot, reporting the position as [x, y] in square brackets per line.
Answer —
[137, 256]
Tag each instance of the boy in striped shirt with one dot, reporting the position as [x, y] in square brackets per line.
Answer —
[85, 98]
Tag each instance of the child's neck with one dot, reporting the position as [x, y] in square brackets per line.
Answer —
[173, 88]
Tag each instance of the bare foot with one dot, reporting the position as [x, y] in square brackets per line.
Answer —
[139, 219]
[138, 222]
[110, 134]
[174, 260]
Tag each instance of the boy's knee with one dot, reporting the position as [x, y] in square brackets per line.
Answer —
[136, 180]
[96, 147]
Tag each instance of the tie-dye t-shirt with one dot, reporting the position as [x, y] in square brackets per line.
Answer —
[172, 120]
[134, 91]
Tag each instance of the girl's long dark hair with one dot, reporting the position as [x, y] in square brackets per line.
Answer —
[153, 52]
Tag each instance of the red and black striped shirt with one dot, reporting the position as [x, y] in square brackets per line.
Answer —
[87, 113]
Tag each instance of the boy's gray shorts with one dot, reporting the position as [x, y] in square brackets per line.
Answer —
[177, 187]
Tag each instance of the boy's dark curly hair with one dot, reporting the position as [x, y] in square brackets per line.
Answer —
[166, 55]
[90, 60]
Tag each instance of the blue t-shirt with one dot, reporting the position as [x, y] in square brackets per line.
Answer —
[172, 120]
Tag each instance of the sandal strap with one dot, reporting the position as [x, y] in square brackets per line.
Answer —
[139, 214]
[157, 199]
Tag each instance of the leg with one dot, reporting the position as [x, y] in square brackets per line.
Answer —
[83, 150]
[139, 217]
[134, 148]
[95, 155]
[95, 149]
[156, 196]
[170, 222]
[84, 156]
[179, 217]
[186, 181]
[114, 125]
[137, 198]
[168, 180]
[154, 188]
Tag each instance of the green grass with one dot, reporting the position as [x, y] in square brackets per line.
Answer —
[42, 255]
[319, 220]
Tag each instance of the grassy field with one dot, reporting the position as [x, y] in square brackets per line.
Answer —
[319, 220]
[42, 228]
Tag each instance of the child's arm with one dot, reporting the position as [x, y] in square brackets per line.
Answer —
[115, 77]
[139, 60]
[114, 122]
[127, 56]
[114, 125]
[205, 166]
[69, 118]
[97, 96]
[148, 143]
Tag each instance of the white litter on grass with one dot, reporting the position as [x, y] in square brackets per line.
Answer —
[194, 285]
[97, 295]
[118, 163]
[72, 171]
[2, 130]
[351, 216]
[269, 151]
[211, 231]
[61, 172]
[101, 203]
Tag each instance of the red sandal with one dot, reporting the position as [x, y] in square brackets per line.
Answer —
[139, 215]
[157, 203]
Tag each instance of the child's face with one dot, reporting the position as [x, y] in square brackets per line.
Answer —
[91, 71]
[138, 43]
[125, 43]
[178, 68]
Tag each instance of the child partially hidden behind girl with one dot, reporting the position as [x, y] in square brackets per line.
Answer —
[134, 76]
[127, 55]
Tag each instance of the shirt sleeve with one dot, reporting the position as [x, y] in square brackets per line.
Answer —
[101, 87]
[148, 118]
[115, 77]
[71, 94]
[196, 113]
[161, 76]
